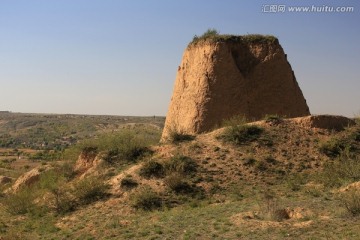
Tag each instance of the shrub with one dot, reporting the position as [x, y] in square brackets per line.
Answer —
[271, 160]
[90, 189]
[112, 156]
[234, 121]
[261, 166]
[357, 119]
[64, 201]
[50, 179]
[131, 152]
[146, 199]
[258, 38]
[89, 151]
[344, 169]
[177, 136]
[210, 33]
[128, 183]
[332, 148]
[296, 181]
[270, 208]
[273, 119]
[356, 135]
[20, 202]
[181, 164]
[351, 201]
[250, 161]
[213, 35]
[241, 134]
[120, 147]
[348, 141]
[66, 170]
[177, 183]
[152, 168]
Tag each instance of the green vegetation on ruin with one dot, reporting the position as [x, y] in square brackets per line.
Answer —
[213, 36]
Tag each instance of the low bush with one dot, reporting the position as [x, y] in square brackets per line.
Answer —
[351, 201]
[211, 33]
[296, 181]
[152, 168]
[249, 161]
[124, 146]
[89, 190]
[67, 198]
[181, 164]
[273, 119]
[64, 201]
[343, 170]
[214, 36]
[332, 148]
[50, 180]
[241, 134]
[348, 141]
[177, 184]
[129, 150]
[234, 121]
[176, 136]
[66, 170]
[356, 135]
[146, 199]
[128, 183]
[261, 166]
[20, 202]
[270, 209]
[89, 151]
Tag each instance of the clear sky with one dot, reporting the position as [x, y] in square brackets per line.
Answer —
[120, 57]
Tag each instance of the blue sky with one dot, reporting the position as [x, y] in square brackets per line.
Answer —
[120, 57]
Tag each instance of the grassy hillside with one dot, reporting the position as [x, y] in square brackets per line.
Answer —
[274, 179]
[30, 140]
[57, 132]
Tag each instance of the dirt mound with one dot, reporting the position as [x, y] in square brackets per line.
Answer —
[27, 179]
[219, 79]
[351, 186]
[87, 162]
[325, 122]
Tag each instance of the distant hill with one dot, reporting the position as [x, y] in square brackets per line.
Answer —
[58, 131]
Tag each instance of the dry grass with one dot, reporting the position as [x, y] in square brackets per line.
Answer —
[235, 202]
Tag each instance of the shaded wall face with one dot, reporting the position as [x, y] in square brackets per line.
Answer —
[219, 80]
